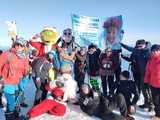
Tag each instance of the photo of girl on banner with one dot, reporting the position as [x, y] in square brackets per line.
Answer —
[113, 32]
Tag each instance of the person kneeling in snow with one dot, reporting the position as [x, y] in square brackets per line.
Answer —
[54, 104]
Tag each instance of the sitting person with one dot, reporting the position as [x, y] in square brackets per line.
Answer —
[94, 104]
[54, 104]
[70, 88]
[127, 88]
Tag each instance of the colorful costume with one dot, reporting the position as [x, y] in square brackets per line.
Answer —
[52, 106]
[68, 39]
[70, 87]
[40, 74]
[48, 38]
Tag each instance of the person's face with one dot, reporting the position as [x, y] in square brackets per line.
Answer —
[112, 33]
[19, 47]
[122, 77]
[141, 46]
[109, 52]
[85, 89]
[92, 50]
[67, 35]
[83, 51]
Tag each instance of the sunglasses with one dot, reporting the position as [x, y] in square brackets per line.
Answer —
[67, 33]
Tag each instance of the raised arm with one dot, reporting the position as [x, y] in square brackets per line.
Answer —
[126, 58]
[129, 48]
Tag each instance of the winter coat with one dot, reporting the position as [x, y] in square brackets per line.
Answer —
[133, 60]
[90, 104]
[128, 88]
[107, 64]
[13, 68]
[80, 64]
[142, 56]
[40, 69]
[152, 74]
[94, 104]
[93, 63]
[51, 105]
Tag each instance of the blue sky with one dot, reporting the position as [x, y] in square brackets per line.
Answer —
[141, 18]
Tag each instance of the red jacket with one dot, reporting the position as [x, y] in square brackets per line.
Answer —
[152, 73]
[13, 70]
[41, 47]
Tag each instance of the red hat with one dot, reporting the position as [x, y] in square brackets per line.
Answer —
[58, 92]
[47, 87]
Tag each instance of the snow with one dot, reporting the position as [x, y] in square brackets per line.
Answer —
[73, 111]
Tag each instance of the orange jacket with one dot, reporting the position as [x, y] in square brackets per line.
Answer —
[152, 73]
[14, 68]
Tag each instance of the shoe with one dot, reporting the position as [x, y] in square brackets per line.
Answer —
[150, 109]
[143, 106]
[25, 105]
[76, 103]
[129, 117]
[131, 110]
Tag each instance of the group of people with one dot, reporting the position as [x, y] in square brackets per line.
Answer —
[59, 68]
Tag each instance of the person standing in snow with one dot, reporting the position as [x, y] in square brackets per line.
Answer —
[13, 67]
[152, 77]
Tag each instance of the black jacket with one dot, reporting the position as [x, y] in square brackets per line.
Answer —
[133, 62]
[141, 55]
[93, 62]
[97, 105]
[128, 88]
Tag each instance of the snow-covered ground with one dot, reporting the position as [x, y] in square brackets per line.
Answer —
[73, 112]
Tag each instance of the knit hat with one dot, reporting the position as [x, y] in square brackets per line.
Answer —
[125, 74]
[21, 41]
[155, 47]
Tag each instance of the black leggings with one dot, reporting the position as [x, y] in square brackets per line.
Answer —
[156, 100]
[110, 81]
[41, 92]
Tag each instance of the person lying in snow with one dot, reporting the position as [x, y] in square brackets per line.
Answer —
[94, 104]
[54, 104]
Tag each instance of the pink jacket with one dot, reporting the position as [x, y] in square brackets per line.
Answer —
[13, 70]
[152, 74]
